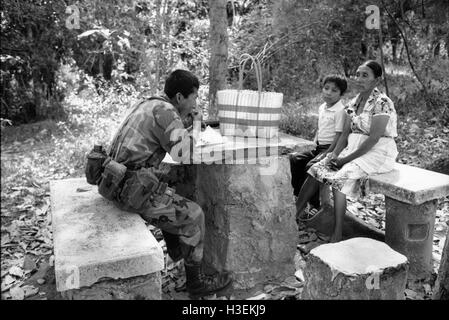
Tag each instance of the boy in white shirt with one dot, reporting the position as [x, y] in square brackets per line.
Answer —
[331, 118]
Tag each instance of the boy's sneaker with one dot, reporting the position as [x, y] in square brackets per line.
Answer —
[308, 213]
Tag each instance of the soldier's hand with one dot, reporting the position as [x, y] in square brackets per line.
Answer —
[197, 115]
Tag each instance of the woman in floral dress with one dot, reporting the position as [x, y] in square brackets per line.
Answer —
[366, 147]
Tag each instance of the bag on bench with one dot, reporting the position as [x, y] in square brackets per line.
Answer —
[111, 179]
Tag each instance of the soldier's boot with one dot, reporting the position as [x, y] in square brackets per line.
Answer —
[173, 246]
[200, 285]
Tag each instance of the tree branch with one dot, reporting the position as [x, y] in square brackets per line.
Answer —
[407, 50]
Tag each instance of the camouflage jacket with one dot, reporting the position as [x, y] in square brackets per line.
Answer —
[152, 128]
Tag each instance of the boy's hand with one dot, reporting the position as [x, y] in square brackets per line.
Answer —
[328, 158]
[321, 156]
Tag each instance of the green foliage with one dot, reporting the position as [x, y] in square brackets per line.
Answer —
[111, 37]
[60, 147]
[142, 43]
[426, 30]
[299, 119]
[33, 43]
[408, 95]
[118, 42]
[299, 42]
[138, 43]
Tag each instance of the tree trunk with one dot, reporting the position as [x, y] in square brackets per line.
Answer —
[441, 291]
[219, 52]
[159, 37]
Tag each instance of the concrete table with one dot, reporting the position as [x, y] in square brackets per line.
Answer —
[244, 189]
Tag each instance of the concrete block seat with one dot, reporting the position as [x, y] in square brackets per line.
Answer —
[411, 197]
[100, 251]
[358, 268]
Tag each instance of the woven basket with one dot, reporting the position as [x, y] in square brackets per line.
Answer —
[249, 113]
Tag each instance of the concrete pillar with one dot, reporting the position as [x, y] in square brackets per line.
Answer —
[250, 221]
[409, 230]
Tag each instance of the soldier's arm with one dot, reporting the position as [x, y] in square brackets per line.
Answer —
[175, 140]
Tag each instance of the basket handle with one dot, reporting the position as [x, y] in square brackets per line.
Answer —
[244, 58]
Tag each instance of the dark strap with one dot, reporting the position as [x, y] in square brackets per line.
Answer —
[108, 180]
[161, 188]
[151, 187]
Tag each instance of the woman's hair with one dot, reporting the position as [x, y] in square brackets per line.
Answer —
[182, 81]
[338, 80]
[375, 67]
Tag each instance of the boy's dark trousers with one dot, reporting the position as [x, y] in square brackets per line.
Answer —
[299, 164]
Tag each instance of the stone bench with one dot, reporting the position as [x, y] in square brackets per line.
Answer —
[411, 196]
[101, 252]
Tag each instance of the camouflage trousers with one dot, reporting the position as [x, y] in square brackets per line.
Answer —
[182, 224]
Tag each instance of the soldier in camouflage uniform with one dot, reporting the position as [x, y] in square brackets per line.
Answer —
[153, 128]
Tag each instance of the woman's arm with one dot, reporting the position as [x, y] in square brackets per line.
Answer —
[378, 125]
